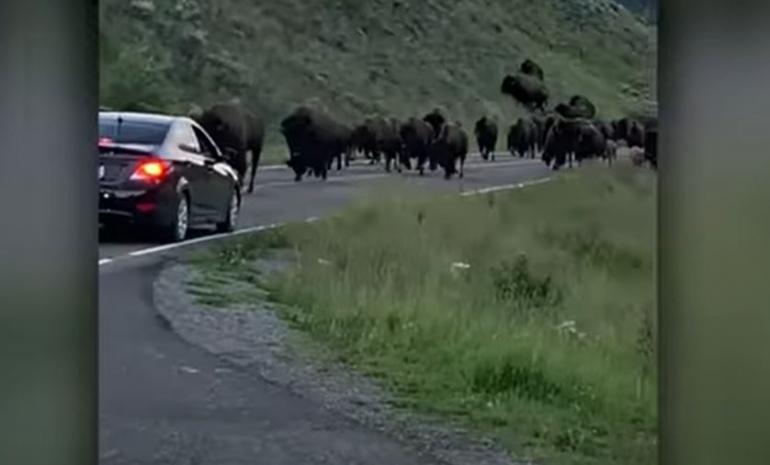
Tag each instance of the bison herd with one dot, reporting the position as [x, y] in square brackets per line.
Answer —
[566, 134]
[315, 140]
[570, 132]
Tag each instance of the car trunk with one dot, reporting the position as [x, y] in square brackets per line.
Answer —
[117, 163]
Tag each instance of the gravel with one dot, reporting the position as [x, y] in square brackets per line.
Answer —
[256, 339]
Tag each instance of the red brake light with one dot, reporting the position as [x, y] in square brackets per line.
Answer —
[151, 170]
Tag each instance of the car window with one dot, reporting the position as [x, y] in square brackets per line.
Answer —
[185, 135]
[121, 131]
[205, 144]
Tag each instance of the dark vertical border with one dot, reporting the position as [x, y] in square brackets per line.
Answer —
[666, 63]
[714, 233]
[48, 233]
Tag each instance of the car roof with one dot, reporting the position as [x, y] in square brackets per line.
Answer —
[143, 117]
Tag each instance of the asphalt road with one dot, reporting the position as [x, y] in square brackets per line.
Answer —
[163, 401]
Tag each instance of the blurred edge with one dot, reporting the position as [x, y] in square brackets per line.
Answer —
[48, 239]
[714, 199]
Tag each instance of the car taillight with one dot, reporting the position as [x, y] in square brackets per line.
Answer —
[153, 170]
[105, 141]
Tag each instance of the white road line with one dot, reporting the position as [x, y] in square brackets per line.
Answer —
[519, 185]
[198, 240]
[165, 247]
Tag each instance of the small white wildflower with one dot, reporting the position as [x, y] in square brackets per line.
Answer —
[324, 262]
[568, 325]
[458, 267]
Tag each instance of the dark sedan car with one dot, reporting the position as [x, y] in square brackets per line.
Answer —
[164, 173]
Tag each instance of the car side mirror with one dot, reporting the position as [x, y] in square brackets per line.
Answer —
[229, 153]
[188, 148]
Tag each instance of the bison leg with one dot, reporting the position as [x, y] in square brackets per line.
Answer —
[421, 158]
[462, 166]
[256, 155]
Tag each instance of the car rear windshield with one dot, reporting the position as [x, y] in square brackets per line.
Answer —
[121, 131]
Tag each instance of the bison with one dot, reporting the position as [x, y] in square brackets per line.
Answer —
[522, 137]
[237, 132]
[584, 106]
[486, 137]
[417, 136]
[629, 130]
[651, 143]
[451, 146]
[606, 129]
[589, 142]
[387, 140]
[365, 140]
[531, 68]
[342, 135]
[436, 119]
[560, 143]
[577, 107]
[541, 127]
[527, 90]
[314, 138]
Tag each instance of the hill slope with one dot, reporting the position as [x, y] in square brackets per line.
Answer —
[362, 57]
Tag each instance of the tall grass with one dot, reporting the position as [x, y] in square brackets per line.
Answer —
[529, 314]
[546, 338]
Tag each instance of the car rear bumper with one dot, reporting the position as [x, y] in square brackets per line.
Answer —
[150, 208]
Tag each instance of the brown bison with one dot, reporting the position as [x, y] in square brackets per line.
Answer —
[237, 132]
[522, 138]
[651, 142]
[314, 139]
[417, 136]
[486, 137]
[629, 130]
[531, 68]
[451, 147]
[529, 91]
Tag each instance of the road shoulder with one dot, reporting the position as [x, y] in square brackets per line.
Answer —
[257, 340]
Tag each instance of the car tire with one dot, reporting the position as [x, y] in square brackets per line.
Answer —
[231, 218]
[180, 223]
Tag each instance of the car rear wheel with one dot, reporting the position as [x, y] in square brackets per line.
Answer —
[231, 218]
[177, 230]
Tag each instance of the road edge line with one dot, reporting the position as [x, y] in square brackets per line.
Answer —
[312, 219]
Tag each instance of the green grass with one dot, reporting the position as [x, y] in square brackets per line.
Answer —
[359, 58]
[546, 340]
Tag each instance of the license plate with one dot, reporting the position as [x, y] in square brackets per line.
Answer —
[101, 171]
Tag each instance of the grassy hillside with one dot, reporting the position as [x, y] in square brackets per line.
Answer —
[360, 57]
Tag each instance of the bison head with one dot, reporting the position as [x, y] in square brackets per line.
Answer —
[532, 68]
